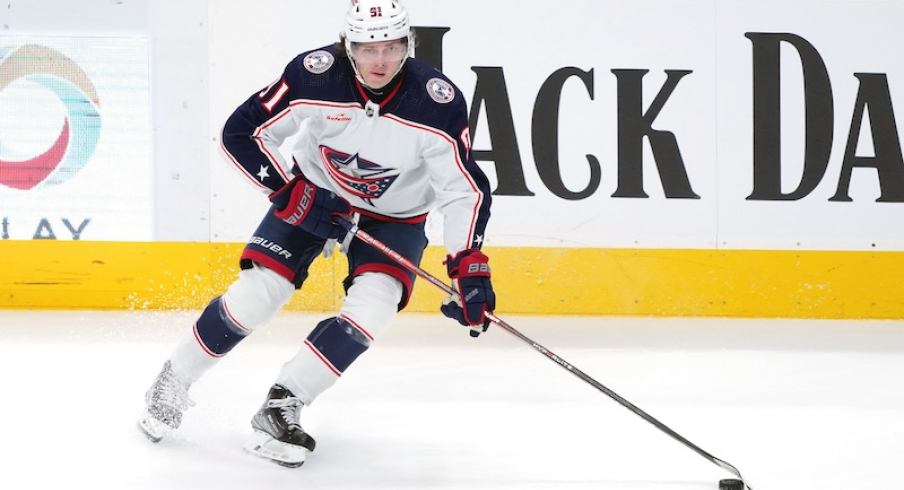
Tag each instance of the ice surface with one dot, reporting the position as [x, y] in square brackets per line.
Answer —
[793, 404]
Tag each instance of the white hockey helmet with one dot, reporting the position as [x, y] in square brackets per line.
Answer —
[369, 21]
[376, 20]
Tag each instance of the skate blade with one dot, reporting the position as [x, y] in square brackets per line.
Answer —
[152, 428]
[266, 447]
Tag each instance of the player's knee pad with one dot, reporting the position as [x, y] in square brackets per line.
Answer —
[338, 342]
[253, 299]
[257, 296]
[216, 331]
[372, 302]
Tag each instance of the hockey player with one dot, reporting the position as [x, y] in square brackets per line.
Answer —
[382, 139]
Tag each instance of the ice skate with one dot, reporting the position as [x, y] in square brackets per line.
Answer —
[166, 399]
[278, 435]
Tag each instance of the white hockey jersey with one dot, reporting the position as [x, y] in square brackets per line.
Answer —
[396, 160]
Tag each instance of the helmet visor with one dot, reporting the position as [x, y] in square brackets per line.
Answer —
[385, 51]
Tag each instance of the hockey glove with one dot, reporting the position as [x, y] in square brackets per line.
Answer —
[303, 204]
[470, 275]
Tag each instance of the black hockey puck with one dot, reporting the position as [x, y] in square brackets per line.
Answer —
[731, 484]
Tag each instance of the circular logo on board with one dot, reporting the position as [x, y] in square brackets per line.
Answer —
[42, 68]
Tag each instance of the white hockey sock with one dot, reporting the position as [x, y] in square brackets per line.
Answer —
[189, 359]
[306, 375]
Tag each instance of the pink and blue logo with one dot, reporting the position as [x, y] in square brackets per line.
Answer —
[77, 140]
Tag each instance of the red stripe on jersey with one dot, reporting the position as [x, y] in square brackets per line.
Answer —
[411, 221]
[393, 93]
[317, 103]
[389, 97]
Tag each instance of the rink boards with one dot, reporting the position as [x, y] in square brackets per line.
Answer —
[719, 283]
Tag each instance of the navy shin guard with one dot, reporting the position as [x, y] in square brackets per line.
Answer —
[217, 330]
[339, 342]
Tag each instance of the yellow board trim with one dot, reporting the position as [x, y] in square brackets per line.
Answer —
[48, 274]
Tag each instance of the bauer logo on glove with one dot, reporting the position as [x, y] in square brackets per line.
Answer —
[301, 203]
[303, 206]
[470, 274]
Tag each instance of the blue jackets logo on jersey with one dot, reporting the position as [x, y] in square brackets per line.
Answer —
[359, 177]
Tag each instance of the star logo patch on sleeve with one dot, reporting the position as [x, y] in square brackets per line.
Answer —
[318, 62]
[440, 90]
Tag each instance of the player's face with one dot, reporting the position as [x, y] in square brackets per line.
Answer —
[378, 62]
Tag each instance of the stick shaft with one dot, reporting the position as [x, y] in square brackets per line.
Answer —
[364, 236]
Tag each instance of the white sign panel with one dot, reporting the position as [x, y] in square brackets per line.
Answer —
[652, 123]
[809, 142]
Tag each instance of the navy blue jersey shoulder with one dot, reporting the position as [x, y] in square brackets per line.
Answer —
[322, 75]
[428, 97]
[318, 74]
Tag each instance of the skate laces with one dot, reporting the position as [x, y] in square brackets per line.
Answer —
[170, 390]
[289, 409]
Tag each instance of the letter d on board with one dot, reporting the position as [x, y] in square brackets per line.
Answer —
[819, 121]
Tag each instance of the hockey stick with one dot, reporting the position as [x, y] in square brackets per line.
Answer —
[365, 237]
